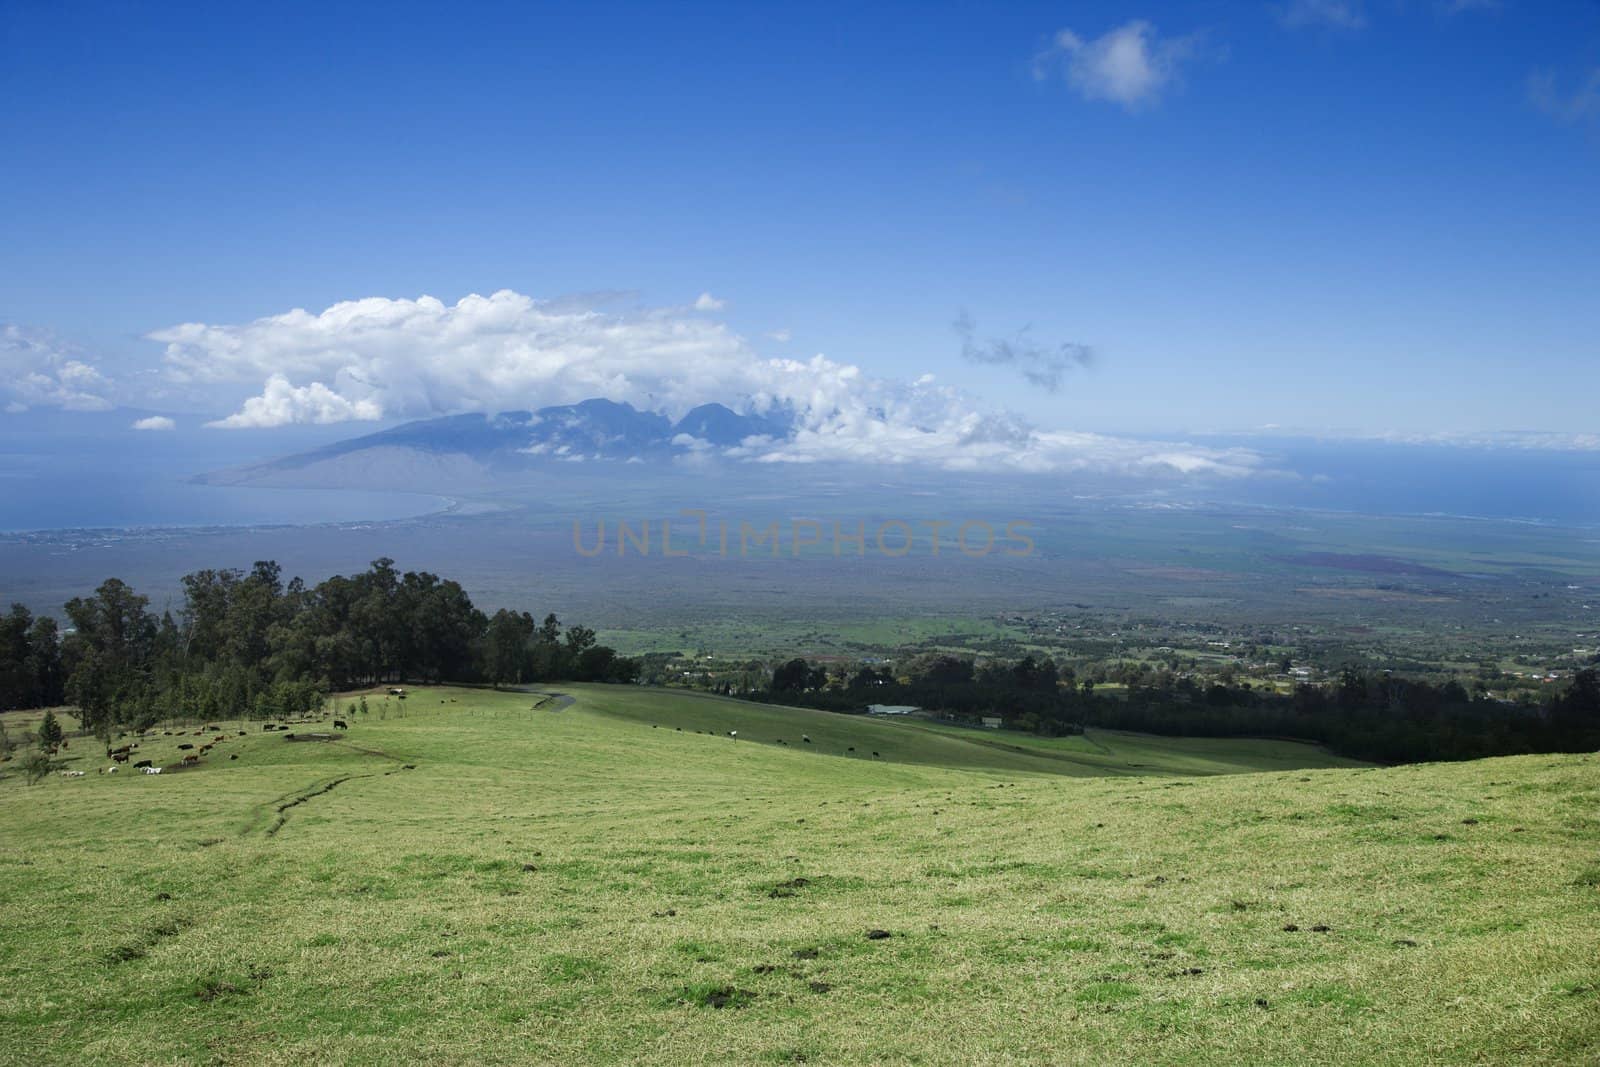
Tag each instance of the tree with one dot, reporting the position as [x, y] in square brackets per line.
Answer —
[44, 661]
[579, 639]
[506, 647]
[791, 676]
[17, 684]
[1575, 714]
[50, 734]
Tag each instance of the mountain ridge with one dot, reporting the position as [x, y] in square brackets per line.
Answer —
[462, 449]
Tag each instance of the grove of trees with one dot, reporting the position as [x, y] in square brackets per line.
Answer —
[249, 643]
[1368, 715]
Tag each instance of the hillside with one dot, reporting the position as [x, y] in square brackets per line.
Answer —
[463, 878]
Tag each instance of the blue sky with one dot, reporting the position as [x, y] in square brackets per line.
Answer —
[1377, 216]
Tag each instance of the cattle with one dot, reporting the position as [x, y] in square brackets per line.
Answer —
[269, 726]
[110, 770]
[806, 738]
[184, 748]
[143, 764]
[234, 756]
[876, 756]
[72, 774]
[114, 751]
[340, 724]
[122, 757]
[150, 770]
[191, 759]
[734, 734]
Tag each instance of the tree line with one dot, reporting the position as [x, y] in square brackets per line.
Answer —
[1370, 715]
[247, 643]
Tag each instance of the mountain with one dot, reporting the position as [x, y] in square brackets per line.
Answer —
[459, 451]
[723, 428]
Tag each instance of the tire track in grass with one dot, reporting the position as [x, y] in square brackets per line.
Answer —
[328, 787]
[294, 800]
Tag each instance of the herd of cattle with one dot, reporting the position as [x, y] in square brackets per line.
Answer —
[192, 753]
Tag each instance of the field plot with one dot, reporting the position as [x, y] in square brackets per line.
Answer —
[615, 878]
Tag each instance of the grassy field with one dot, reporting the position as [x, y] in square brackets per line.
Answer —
[483, 881]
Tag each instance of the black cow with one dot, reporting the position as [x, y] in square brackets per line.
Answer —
[340, 724]
[142, 763]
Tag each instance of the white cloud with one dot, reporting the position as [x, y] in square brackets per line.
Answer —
[1329, 14]
[281, 404]
[155, 422]
[1580, 104]
[39, 370]
[707, 302]
[380, 358]
[783, 337]
[1130, 65]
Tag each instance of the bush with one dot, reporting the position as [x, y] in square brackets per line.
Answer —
[37, 766]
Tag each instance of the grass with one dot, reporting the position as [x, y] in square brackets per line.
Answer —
[596, 884]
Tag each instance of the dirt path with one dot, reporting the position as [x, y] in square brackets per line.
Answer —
[548, 701]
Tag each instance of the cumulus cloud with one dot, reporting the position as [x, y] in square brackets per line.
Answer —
[1131, 65]
[1040, 365]
[155, 422]
[707, 302]
[376, 358]
[1328, 14]
[381, 358]
[281, 404]
[1580, 103]
[39, 370]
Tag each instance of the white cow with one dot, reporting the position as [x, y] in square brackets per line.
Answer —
[151, 770]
